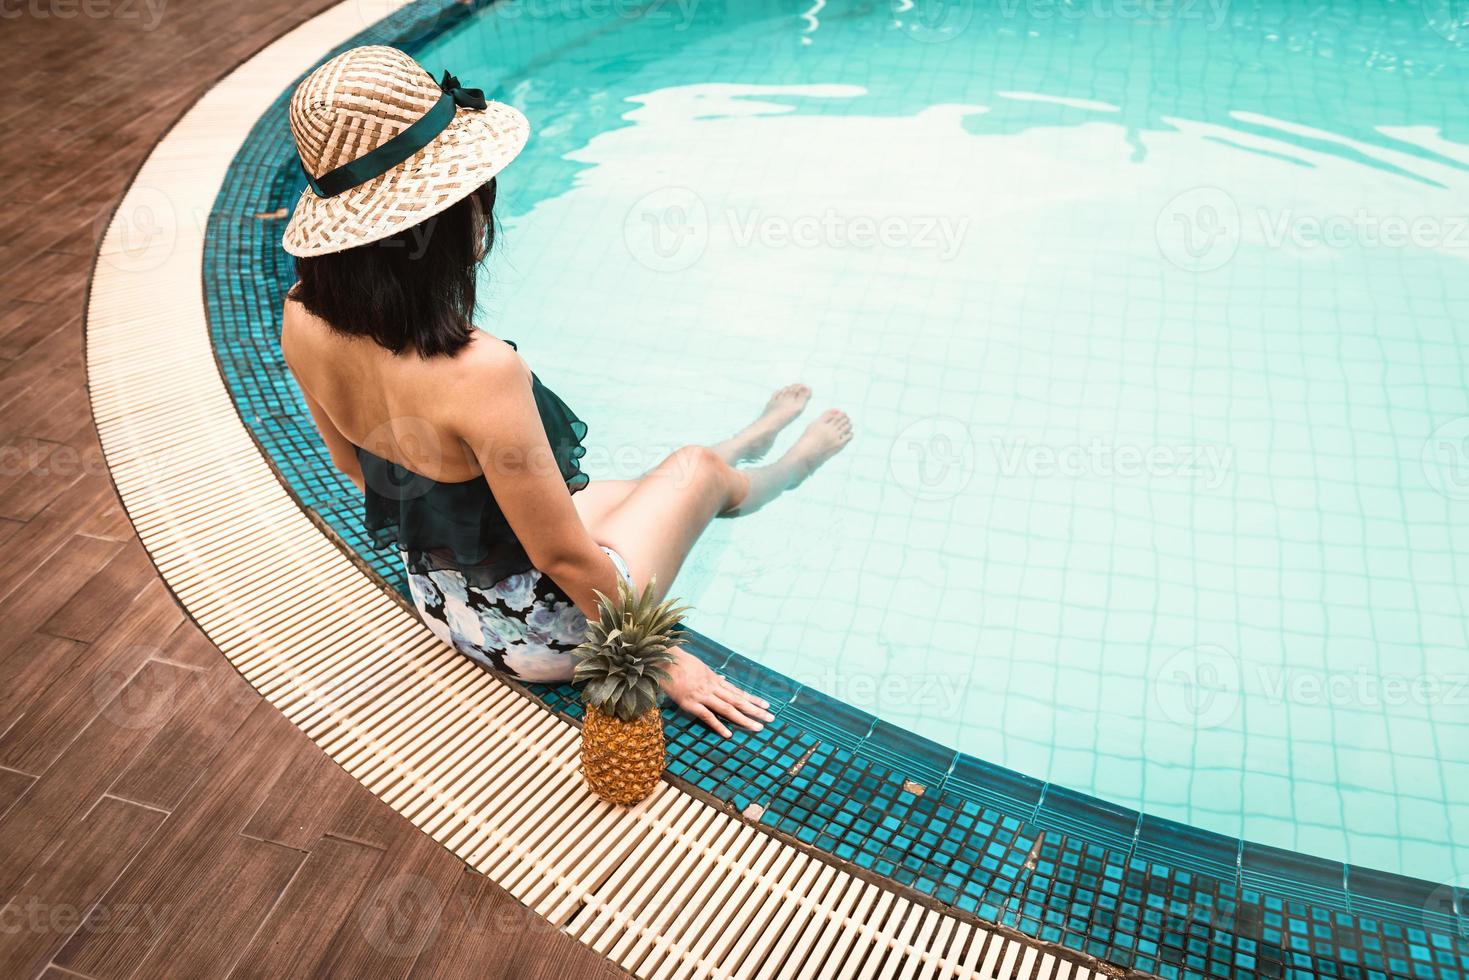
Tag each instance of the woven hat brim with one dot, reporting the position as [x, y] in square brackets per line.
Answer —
[476, 146]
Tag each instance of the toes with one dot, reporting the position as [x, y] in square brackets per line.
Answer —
[841, 422]
[833, 425]
[791, 397]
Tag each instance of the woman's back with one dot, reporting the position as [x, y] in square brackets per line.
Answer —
[400, 407]
[467, 463]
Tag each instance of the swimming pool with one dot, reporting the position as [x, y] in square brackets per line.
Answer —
[1151, 320]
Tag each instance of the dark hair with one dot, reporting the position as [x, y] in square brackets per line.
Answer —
[413, 291]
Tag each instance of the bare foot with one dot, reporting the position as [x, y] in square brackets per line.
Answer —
[754, 440]
[822, 440]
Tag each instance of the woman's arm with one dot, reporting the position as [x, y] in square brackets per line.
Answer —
[502, 426]
[344, 455]
[498, 420]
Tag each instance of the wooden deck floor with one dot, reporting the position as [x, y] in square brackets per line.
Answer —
[157, 818]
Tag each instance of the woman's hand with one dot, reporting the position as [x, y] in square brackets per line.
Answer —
[707, 696]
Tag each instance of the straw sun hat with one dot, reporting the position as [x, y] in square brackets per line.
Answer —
[384, 147]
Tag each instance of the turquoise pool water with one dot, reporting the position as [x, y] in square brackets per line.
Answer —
[1152, 320]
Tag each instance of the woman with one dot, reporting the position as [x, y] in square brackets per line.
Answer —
[467, 463]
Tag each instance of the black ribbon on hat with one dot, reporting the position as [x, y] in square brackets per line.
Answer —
[379, 160]
[469, 98]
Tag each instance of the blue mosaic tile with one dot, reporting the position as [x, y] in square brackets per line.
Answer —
[1174, 844]
[1069, 812]
[995, 785]
[833, 720]
[918, 759]
[1294, 874]
[1146, 894]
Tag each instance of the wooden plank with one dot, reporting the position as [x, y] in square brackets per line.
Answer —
[477, 933]
[211, 886]
[67, 789]
[23, 325]
[294, 939]
[17, 319]
[485, 932]
[108, 520]
[362, 817]
[57, 579]
[60, 349]
[73, 699]
[54, 972]
[542, 955]
[13, 785]
[65, 886]
[228, 891]
[8, 528]
[399, 911]
[45, 277]
[162, 773]
[34, 472]
[315, 796]
[43, 534]
[31, 668]
[94, 607]
[50, 408]
[188, 646]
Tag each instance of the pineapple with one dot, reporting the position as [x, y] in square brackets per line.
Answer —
[620, 663]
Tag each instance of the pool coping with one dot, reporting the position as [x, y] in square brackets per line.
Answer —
[241, 556]
[834, 739]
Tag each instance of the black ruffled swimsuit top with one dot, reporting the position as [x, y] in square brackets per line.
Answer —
[459, 525]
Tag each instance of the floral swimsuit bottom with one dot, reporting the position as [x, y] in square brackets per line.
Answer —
[525, 625]
[469, 575]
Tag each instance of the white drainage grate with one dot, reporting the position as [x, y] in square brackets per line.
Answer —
[671, 888]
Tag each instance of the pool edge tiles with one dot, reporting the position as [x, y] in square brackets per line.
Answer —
[1139, 892]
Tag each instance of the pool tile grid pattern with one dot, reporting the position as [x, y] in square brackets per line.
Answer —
[1145, 894]
[1071, 611]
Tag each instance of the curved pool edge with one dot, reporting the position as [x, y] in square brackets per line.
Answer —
[896, 805]
[346, 663]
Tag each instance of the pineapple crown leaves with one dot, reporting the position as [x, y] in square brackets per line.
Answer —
[626, 651]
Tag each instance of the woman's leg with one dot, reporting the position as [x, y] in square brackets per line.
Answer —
[754, 440]
[656, 524]
[597, 499]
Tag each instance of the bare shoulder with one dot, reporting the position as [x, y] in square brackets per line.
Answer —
[300, 330]
[493, 363]
[481, 388]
